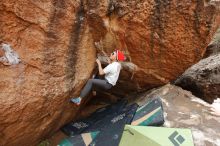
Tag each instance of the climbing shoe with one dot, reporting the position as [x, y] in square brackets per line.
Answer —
[76, 100]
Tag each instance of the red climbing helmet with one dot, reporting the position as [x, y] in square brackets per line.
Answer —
[120, 56]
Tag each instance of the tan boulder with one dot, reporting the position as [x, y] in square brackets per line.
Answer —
[160, 38]
[57, 57]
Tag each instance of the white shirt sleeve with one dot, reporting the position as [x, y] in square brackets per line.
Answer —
[107, 69]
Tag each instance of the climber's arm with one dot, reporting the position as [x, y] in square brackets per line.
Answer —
[101, 71]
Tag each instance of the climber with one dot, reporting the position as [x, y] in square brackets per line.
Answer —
[111, 73]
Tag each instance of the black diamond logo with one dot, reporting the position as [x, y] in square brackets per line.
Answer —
[176, 138]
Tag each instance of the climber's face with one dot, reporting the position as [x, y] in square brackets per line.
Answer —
[113, 56]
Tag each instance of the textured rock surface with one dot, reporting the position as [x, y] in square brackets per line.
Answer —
[183, 110]
[55, 41]
[50, 38]
[214, 47]
[160, 38]
[203, 79]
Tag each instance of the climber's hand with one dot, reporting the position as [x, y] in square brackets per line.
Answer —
[98, 61]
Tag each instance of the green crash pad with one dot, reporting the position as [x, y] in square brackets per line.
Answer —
[155, 136]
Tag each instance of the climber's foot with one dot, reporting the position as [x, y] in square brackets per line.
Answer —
[76, 100]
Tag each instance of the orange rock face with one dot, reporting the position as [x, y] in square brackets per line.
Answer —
[57, 56]
[161, 38]
[56, 39]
